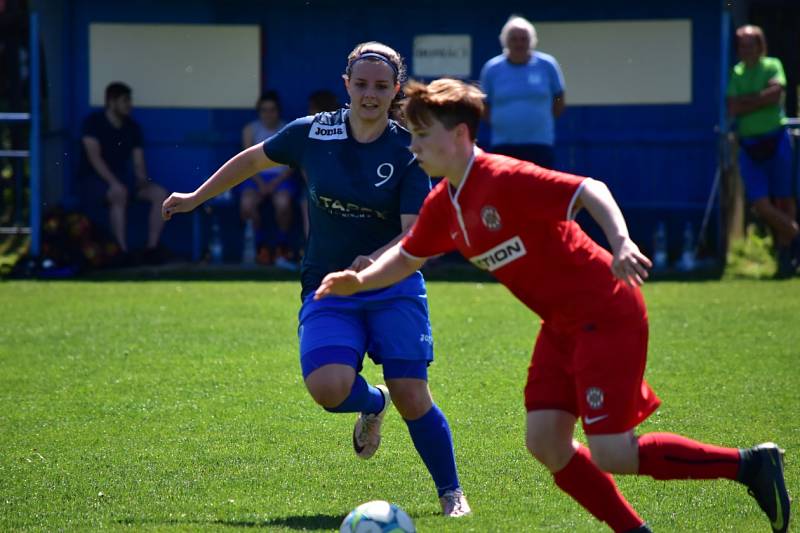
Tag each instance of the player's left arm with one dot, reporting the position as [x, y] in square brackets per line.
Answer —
[629, 264]
[392, 266]
[363, 261]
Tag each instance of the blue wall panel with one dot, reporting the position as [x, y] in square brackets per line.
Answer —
[658, 160]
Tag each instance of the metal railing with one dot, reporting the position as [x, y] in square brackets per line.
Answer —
[33, 153]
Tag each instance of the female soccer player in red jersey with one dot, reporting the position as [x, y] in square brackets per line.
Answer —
[516, 220]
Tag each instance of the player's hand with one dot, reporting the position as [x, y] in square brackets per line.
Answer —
[629, 264]
[178, 202]
[342, 283]
[360, 263]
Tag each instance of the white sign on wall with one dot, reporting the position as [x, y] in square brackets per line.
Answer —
[177, 65]
[437, 56]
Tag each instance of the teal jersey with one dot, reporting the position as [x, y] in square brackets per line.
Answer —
[356, 191]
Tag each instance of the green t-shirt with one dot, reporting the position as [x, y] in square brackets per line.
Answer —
[752, 80]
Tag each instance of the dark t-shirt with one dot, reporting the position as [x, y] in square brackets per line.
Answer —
[357, 191]
[116, 144]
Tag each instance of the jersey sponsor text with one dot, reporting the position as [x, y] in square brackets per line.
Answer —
[500, 255]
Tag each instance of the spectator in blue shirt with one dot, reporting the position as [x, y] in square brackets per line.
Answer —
[524, 95]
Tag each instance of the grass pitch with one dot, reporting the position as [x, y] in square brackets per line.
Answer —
[179, 406]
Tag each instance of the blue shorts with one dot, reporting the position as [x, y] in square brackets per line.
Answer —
[391, 325]
[771, 177]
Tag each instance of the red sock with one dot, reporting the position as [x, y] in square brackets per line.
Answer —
[596, 491]
[670, 456]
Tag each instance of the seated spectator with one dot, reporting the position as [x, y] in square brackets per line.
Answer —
[274, 183]
[111, 140]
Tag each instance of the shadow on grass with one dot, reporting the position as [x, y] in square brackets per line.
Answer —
[302, 523]
[305, 522]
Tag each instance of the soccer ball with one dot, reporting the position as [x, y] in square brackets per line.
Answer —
[377, 517]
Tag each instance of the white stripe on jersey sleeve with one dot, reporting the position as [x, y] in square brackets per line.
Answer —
[570, 214]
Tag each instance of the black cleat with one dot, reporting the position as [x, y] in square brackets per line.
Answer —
[644, 528]
[762, 472]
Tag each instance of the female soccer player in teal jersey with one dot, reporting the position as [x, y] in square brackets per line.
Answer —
[365, 190]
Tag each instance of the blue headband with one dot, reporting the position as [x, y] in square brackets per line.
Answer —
[372, 55]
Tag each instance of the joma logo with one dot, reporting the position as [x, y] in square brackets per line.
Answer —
[500, 255]
[327, 133]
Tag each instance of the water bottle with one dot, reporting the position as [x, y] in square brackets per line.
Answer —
[215, 244]
[249, 245]
[687, 262]
[660, 247]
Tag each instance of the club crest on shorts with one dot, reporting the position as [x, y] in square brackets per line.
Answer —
[594, 397]
[491, 218]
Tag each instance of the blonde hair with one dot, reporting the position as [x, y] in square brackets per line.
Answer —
[517, 22]
[753, 31]
[449, 101]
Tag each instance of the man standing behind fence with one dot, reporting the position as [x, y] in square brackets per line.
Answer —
[755, 97]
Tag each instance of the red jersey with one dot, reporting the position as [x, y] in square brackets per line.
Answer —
[514, 219]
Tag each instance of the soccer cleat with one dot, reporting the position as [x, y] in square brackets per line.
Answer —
[454, 503]
[367, 431]
[762, 472]
[644, 528]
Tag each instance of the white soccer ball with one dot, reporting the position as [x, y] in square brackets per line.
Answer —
[377, 517]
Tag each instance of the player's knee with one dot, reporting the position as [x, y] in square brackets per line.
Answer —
[411, 399]
[619, 459]
[329, 392]
[543, 448]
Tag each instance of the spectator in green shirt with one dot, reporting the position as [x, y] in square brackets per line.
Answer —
[755, 99]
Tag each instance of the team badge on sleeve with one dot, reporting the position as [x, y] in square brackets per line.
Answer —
[491, 218]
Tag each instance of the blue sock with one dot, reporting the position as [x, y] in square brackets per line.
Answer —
[363, 398]
[434, 443]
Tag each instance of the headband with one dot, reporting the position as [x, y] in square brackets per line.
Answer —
[372, 55]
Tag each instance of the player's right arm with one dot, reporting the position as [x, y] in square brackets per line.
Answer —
[240, 167]
[391, 267]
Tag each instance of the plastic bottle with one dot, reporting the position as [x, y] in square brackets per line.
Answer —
[687, 261]
[215, 244]
[249, 245]
[660, 247]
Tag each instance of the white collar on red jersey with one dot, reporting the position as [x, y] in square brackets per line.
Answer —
[454, 197]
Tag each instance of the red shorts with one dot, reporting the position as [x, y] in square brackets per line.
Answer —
[596, 374]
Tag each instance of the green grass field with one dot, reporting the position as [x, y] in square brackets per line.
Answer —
[179, 406]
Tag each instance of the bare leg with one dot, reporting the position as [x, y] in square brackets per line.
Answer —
[154, 194]
[282, 202]
[779, 217]
[248, 207]
[117, 210]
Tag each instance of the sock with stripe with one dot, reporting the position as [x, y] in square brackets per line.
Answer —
[671, 456]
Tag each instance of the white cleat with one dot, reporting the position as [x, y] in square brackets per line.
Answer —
[454, 503]
[367, 431]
